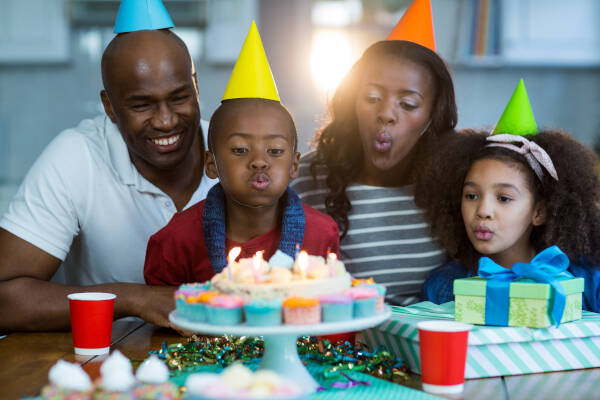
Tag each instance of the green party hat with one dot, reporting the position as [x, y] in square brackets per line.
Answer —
[517, 118]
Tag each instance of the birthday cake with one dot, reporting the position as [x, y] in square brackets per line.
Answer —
[309, 276]
[307, 290]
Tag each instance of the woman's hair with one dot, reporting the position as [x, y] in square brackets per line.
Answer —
[572, 203]
[338, 145]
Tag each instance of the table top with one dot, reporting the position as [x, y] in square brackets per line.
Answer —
[25, 359]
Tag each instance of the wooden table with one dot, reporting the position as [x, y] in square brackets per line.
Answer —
[25, 359]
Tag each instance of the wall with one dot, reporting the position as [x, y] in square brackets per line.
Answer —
[38, 101]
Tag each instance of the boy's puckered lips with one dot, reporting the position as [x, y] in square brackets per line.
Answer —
[260, 181]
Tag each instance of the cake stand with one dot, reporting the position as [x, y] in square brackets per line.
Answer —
[280, 351]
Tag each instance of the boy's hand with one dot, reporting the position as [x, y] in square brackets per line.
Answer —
[154, 303]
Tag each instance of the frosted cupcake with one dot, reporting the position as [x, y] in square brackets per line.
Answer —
[183, 308]
[225, 310]
[153, 378]
[67, 381]
[263, 312]
[365, 301]
[301, 311]
[336, 307]
[239, 382]
[380, 293]
[197, 306]
[117, 379]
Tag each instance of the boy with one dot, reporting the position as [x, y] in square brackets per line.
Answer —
[252, 143]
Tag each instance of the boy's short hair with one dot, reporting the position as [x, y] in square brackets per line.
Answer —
[229, 106]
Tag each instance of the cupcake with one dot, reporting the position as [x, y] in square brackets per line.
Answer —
[336, 307]
[153, 381]
[301, 311]
[365, 301]
[183, 308]
[67, 381]
[239, 382]
[380, 293]
[117, 379]
[197, 305]
[263, 312]
[225, 310]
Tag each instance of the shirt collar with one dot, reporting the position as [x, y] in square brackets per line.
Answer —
[119, 155]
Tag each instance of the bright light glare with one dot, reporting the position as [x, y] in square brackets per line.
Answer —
[330, 59]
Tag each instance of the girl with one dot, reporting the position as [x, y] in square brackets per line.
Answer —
[509, 197]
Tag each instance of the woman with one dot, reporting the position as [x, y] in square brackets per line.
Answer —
[394, 107]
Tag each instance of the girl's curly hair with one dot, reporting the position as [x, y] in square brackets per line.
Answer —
[572, 203]
[338, 145]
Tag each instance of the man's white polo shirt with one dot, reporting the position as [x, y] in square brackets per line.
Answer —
[84, 202]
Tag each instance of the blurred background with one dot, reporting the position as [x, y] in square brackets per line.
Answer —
[50, 54]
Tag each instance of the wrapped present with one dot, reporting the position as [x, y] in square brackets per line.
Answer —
[494, 350]
[537, 295]
[530, 303]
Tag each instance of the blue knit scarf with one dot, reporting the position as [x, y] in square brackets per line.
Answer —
[213, 225]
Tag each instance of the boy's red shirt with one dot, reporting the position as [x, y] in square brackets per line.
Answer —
[176, 254]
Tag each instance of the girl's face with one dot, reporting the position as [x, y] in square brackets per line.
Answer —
[499, 211]
[393, 107]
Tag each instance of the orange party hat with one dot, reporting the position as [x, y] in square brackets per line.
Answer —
[416, 25]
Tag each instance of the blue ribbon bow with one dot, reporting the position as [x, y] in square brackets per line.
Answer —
[549, 266]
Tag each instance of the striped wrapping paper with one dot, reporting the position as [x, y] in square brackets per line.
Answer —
[496, 351]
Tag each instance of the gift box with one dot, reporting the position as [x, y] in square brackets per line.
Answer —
[493, 350]
[530, 303]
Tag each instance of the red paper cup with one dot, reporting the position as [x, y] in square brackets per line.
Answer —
[443, 351]
[91, 321]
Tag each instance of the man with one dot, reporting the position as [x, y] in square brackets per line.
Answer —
[98, 191]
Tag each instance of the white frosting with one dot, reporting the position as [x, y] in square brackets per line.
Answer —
[282, 260]
[238, 381]
[237, 376]
[280, 275]
[197, 384]
[117, 373]
[266, 378]
[69, 376]
[278, 282]
[152, 371]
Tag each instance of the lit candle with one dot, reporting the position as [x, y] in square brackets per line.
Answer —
[233, 254]
[303, 263]
[256, 263]
[331, 258]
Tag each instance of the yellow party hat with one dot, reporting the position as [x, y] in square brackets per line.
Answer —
[251, 76]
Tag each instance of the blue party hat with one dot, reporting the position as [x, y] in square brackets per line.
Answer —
[138, 15]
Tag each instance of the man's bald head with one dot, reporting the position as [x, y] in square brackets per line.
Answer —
[139, 49]
[150, 94]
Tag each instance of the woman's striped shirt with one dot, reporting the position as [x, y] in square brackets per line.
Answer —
[387, 239]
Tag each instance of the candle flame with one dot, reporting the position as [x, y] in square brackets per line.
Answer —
[331, 257]
[303, 260]
[233, 254]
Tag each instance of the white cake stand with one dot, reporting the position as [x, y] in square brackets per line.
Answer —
[280, 353]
